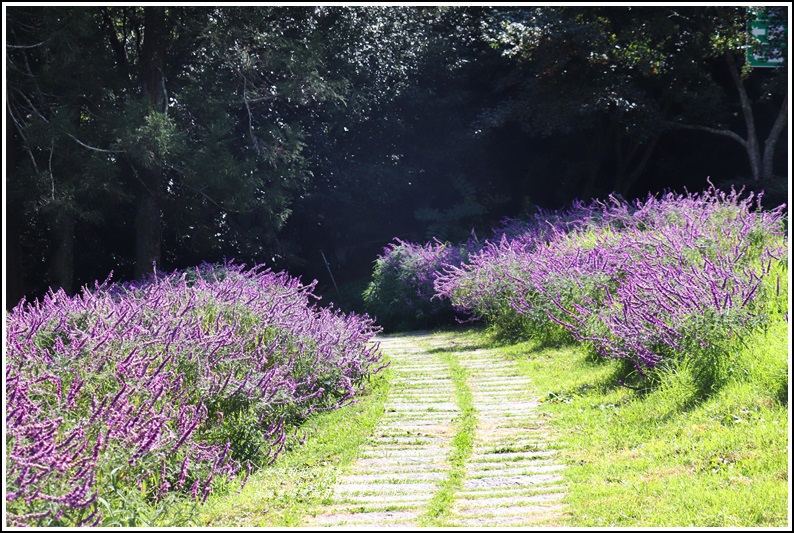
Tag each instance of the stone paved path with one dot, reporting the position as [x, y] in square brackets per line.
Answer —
[511, 478]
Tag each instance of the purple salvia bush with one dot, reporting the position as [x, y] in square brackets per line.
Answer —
[402, 291]
[642, 281]
[167, 385]
[483, 288]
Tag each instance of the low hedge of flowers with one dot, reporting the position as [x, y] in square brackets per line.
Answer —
[168, 388]
[680, 275]
[673, 276]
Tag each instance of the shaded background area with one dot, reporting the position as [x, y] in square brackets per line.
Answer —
[285, 136]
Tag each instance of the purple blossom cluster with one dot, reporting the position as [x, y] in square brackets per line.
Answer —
[641, 281]
[483, 287]
[402, 291]
[167, 385]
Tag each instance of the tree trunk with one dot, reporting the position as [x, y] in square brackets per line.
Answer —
[595, 156]
[147, 219]
[627, 179]
[761, 163]
[147, 235]
[767, 170]
[15, 280]
[752, 146]
[62, 258]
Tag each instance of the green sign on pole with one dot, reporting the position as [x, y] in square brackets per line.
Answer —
[766, 41]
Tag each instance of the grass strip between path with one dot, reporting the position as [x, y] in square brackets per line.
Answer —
[301, 478]
[461, 447]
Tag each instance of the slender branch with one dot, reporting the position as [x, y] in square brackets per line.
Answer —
[718, 131]
[165, 93]
[78, 141]
[646, 156]
[31, 45]
[217, 204]
[249, 100]
[32, 76]
[780, 121]
[635, 147]
[207, 197]
[115, 44]
[32, 106]
[751, 146]
[32, 28]
[81, 143]
[254, 140]
[747, 109]
[774, 135]
[52, 174]
[143, 183]
[20, 129]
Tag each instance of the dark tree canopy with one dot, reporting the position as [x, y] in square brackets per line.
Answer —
[293, 135]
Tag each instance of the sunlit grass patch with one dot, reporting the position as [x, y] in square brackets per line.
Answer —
[301, 479]
[668, 456]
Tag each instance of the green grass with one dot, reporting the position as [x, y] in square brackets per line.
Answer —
[461, 447]
[282, 494]
[664, 457]
[669, 457]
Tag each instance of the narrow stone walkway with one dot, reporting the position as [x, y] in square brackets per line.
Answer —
[400, 467]
[511, 477]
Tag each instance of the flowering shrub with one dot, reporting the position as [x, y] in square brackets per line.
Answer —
[401, 293]
[175, 385]
[484, 286]
[680, 275]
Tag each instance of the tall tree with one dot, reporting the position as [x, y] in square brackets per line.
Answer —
[627, 75]
[180, 134]
[54, 79]
[724, 37]
[401, 158]
[148, 208]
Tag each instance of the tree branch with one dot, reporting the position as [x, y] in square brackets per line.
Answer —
[217, 204]
[115, 44]
[780, 122]
[744, 99]
[31, 45]
[207, 197]
[81, 143]
[78, 141]
[52, 174]
[646, 156]
[718, 131]
[771, 140]
[20, 129]
[165, 94]
[32, 107]
[254, 139]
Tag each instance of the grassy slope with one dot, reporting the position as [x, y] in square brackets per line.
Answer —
[667, 457]
[281, 494]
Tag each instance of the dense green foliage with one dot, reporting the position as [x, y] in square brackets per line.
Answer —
[401, 294]
[277, 134]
